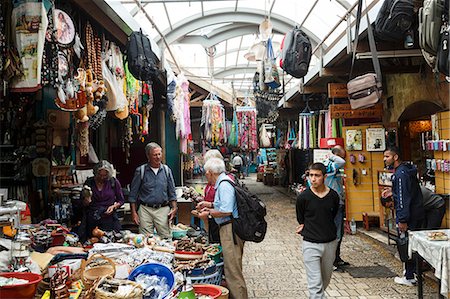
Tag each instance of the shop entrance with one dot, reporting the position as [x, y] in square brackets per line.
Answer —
[415, 130]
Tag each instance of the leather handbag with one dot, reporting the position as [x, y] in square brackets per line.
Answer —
[365, 91]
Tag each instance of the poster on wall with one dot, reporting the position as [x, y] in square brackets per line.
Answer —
[375, 139]
[321, 155]
[353, 140]
[435, 127]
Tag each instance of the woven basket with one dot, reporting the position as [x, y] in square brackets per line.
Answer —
[91, 271]
[135, 292]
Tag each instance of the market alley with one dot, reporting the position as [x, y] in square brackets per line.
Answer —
[274, 268]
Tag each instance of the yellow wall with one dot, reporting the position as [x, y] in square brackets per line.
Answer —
[443, 178]
[363, 197]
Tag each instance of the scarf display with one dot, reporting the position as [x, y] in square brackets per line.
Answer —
[213, 123]
[247, 129]
[233, 138]
[181, 112]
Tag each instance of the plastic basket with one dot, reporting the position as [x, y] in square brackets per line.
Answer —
[215, 278]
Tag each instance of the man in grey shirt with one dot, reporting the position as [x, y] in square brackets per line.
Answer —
[153, 189]
[434, 206]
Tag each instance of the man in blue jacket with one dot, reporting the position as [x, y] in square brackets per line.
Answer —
[408, 203]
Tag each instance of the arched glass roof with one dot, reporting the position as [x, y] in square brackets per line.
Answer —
[227, 29]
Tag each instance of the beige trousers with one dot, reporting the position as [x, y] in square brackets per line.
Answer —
[232, 257]
[151, 218]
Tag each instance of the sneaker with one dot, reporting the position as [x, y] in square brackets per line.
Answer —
[404, 281]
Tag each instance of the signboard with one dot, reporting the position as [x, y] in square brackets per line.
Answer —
[337, 90]
[321, 155]
[345, 111]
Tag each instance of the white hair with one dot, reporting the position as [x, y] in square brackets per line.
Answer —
[151, 146]
[213, 153]
[215, 165]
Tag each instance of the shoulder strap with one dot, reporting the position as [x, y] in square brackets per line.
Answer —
[142, 171]
[166, 170]
[372, 45]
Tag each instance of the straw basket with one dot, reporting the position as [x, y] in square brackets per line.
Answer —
[135, 291]
[97, 266]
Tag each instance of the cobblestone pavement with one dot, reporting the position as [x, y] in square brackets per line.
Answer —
[274, 268]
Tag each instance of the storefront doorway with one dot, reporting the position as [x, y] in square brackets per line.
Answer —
[415, 130]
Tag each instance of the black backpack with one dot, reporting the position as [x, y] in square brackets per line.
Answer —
[443, 53]
[394, 19]
[251, 225]
[142, 62]
[297, 52]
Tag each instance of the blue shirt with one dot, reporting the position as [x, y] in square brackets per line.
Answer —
[334, 178]
[153, 188]
[225, 199]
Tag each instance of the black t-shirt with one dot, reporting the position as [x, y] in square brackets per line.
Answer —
[317, 214]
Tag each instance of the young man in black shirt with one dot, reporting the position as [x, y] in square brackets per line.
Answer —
[316, 209]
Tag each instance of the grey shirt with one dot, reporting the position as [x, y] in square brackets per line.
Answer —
[431, 200]
[153, 188]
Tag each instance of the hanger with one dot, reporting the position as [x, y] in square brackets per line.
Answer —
[307, 110]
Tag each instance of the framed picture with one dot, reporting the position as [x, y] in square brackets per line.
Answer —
[353, 140]
[385, 178]
[375, 139]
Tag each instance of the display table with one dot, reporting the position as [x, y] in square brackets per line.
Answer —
[436, 253]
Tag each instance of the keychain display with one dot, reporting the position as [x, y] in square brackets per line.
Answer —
[438, 145]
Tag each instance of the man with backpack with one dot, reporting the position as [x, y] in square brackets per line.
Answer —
[223, 210]
[335, 181]
[316, 209]
[153, 189]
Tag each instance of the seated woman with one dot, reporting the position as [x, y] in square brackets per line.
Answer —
[102, 201]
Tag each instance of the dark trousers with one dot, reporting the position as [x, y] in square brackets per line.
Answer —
[433, 218]
[213, 231]
[410, 265]
[339, 222]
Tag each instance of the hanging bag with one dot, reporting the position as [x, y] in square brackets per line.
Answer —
[296, 54]
[443, 54]
[365, 91]
[394, 19]
[272, 78]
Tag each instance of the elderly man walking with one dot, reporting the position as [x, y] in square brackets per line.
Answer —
[222, 210]
[152, 198]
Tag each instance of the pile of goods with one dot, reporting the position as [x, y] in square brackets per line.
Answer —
[110, 265]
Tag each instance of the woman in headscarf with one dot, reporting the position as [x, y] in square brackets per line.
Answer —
[102, 195]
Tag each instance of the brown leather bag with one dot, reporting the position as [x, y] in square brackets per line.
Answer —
[364, 91]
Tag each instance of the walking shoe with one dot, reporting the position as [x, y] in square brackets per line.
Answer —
[404, 281]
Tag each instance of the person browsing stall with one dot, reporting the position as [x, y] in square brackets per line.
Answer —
[153, 189]
[101, 195]
[316, 209]
[335, 181]
[223, 209]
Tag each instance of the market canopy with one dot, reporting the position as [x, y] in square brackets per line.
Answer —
[209, 39]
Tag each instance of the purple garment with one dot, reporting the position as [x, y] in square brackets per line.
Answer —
[107, 196]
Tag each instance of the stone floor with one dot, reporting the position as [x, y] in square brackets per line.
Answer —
[274, 268]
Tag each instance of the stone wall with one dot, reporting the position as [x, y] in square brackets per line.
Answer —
[410, 88]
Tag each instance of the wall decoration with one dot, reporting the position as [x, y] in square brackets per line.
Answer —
[375, 139]
[385, 178]
[435, 127]
[353, 140]
[65, 30]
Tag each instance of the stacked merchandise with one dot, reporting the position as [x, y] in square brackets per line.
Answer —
[213, 123]
[247, 129]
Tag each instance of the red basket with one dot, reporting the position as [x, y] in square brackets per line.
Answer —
[20, 291]
[209, 290]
